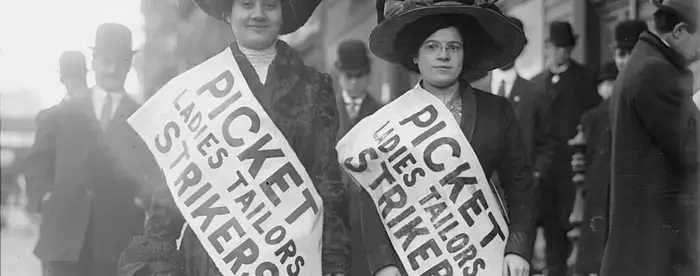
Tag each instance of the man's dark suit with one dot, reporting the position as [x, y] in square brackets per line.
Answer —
[571, 95]
[486, 118]
[94, 178]
[654, 166]
[359, 266]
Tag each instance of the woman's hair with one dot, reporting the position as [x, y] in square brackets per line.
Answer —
[410, 38]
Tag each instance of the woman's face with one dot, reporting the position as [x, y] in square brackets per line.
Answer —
[440, 58]
[256, 23]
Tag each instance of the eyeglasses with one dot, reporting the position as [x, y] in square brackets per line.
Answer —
[434, 46]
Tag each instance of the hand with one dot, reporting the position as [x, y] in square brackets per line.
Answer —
[46, 197]
[388, 271]
[514, 265]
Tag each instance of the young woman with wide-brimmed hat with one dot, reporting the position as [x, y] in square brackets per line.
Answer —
[301, 103]
[448, 43]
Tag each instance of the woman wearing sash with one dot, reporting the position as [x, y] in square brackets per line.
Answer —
[446, 42]
[301, 103]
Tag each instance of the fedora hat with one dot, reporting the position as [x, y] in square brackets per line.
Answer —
[501, 41]
[295, 13]
[353, 57]
[561, 34]
[627, 34]
[686, 10]
[113, 37]
[72, 63]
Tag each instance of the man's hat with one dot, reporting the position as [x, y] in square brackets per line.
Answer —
[561, 34]
[72, 63]
[295, 13]
[627, 33]
[608, 72]
[686, 10]
[500, 40]
[353, 57]
[113, 37]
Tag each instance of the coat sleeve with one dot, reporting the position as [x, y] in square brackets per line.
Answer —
[39, 165]
[666, 112]
[155, 253]
[515, 175]
[327, 178]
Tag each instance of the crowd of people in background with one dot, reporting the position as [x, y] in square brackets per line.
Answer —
[105, 210]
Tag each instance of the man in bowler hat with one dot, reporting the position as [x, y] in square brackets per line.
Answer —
[572, 91]
[655, 164]
[73, 74]
[354, 104]
[626, 36]
[87, 168]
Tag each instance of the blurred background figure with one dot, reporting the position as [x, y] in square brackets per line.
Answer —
[354, 104]
[91, 204]
[571, 88]
[74, 74]
[626, 36]
[655, 161]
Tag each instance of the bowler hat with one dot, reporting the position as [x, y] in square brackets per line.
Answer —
[500, 40]
[295, 13]
[72, 63]
[686, 10]
[113, 37]
[561, 34]
[352, 57]
[607, 72]
[627, 33]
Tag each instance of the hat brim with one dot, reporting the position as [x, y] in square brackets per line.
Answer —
[295, 13]
[352, 71]
[505, 34]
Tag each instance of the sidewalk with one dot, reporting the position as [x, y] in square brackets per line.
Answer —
[17, 242]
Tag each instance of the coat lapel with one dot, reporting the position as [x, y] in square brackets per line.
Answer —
[515, 93]
[469, 111]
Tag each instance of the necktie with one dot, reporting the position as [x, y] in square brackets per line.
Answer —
[106, 115]
[353, 110]
[502, 89]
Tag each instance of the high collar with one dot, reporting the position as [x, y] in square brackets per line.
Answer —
[672, 55]
[508, 76]
[350, 100]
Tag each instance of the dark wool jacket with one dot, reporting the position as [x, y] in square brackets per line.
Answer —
[301, 103]
[492, 129]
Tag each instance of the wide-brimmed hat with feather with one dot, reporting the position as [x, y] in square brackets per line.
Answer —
[295, 13]
[500, 40]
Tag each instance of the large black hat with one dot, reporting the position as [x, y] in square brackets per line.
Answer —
[686, 10]
[295, 13]
[561, 34]
[607, 72]
[113, 37]
[353, 57]
[72, 63]
[501, 41]
[627, 33]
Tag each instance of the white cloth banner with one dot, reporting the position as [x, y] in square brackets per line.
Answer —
[438, 209]
[234, 177]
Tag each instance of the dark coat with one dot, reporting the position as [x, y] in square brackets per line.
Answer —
[486, 118]
[93, 178]
[654, 166]
[359, 265]
[301, 103]
[594, 229]
[574, 94]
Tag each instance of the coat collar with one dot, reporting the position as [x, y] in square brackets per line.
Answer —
[469, 110]
[672, 55]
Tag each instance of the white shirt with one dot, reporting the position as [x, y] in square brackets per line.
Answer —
[349, 101]
[98, 100]
[508, 76]
[260, 60]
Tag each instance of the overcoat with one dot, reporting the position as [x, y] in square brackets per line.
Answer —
[369, 105]
[485, 118]
[301, 103]
[594, 229]
[93, 177]
[654, 166]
